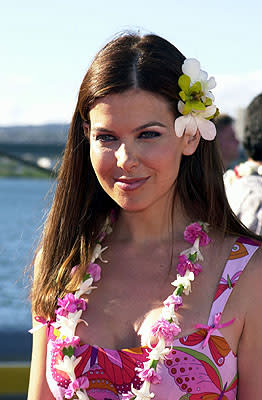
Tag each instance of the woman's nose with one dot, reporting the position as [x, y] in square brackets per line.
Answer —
[126, 157]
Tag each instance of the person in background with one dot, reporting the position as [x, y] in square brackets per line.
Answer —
[228, 143]
[244, 183]
[138, 287]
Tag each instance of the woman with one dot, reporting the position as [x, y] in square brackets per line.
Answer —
[140, 170]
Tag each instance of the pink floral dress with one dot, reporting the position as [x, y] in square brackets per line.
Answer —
[199, 366]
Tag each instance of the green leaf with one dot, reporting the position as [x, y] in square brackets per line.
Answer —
[208, 102]
[196, 88]
[68, 351]
[187, 108]
[179, 290]
[229, 282]
[182, 95]
[198, 105]
[192, 257]
[86, 276]
[184, 82]
[153, 364]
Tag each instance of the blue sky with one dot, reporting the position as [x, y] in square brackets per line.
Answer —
[45, 48]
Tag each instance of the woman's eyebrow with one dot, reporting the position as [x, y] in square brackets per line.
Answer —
[101, 129]
[147, 125]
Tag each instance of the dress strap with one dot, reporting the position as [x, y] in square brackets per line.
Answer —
[240, 254]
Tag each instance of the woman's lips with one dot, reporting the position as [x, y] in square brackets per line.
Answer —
[130, 184]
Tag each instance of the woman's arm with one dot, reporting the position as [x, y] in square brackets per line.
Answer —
[250, 345]
[38, 387]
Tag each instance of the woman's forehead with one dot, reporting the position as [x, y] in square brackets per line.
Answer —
[133, 104]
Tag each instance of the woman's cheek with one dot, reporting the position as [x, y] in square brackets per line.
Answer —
[102, 161]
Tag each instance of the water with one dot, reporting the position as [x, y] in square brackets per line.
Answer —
[23, 205]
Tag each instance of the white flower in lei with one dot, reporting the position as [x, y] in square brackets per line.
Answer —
[97, 253]
[85, 287]
[168, 312]
[194, 250]
[184, 281]
[159, 351]
[196, 102]
[67, 325]
[82, 395]
[68, 365]
[144, 392]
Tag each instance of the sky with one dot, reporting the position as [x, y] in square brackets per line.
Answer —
[46, 48]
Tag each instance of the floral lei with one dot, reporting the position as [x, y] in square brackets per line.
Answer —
[165, 330]
[246, 168]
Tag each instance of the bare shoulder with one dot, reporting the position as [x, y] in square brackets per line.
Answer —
[252, 274]
[250, 347]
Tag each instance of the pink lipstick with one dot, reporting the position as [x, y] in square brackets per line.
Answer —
[129, 184]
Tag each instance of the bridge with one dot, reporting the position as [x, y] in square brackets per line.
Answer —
[35, 155]
[36, 150]
[33, 143]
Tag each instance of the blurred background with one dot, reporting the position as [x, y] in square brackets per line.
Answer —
[45, 50]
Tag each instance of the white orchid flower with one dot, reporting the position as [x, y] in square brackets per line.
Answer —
[196, 120]
[85, 287]
[144, 392]
[168, 312]
[159, 351]
[97, 253]
[82, 395]
[68, 365]
[191, 68]
[67, 325]
[207, 86]
[185, 281]
[194, 250]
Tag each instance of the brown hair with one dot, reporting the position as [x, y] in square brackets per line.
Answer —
[80, 205]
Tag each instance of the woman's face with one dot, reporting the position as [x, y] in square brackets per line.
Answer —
[134, 150]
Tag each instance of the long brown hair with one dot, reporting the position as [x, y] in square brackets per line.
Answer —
[80, 205]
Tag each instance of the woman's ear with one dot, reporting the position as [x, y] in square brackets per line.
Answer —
[191, 143]
[86, 128]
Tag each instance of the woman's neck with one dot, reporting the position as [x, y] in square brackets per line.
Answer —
[151, 225]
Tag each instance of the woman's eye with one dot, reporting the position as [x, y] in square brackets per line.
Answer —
[105, 138]
[149, 134]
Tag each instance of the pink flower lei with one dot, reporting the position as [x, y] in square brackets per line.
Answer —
[167, 327]
[165, 330]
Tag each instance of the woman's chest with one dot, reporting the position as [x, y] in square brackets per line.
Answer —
[122, 310]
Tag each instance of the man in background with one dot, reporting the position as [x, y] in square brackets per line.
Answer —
[244, 183]
[228, 143]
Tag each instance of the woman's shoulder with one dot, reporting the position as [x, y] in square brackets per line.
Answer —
[251, 278]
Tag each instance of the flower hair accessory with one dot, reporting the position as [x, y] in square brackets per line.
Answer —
[196, 102]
